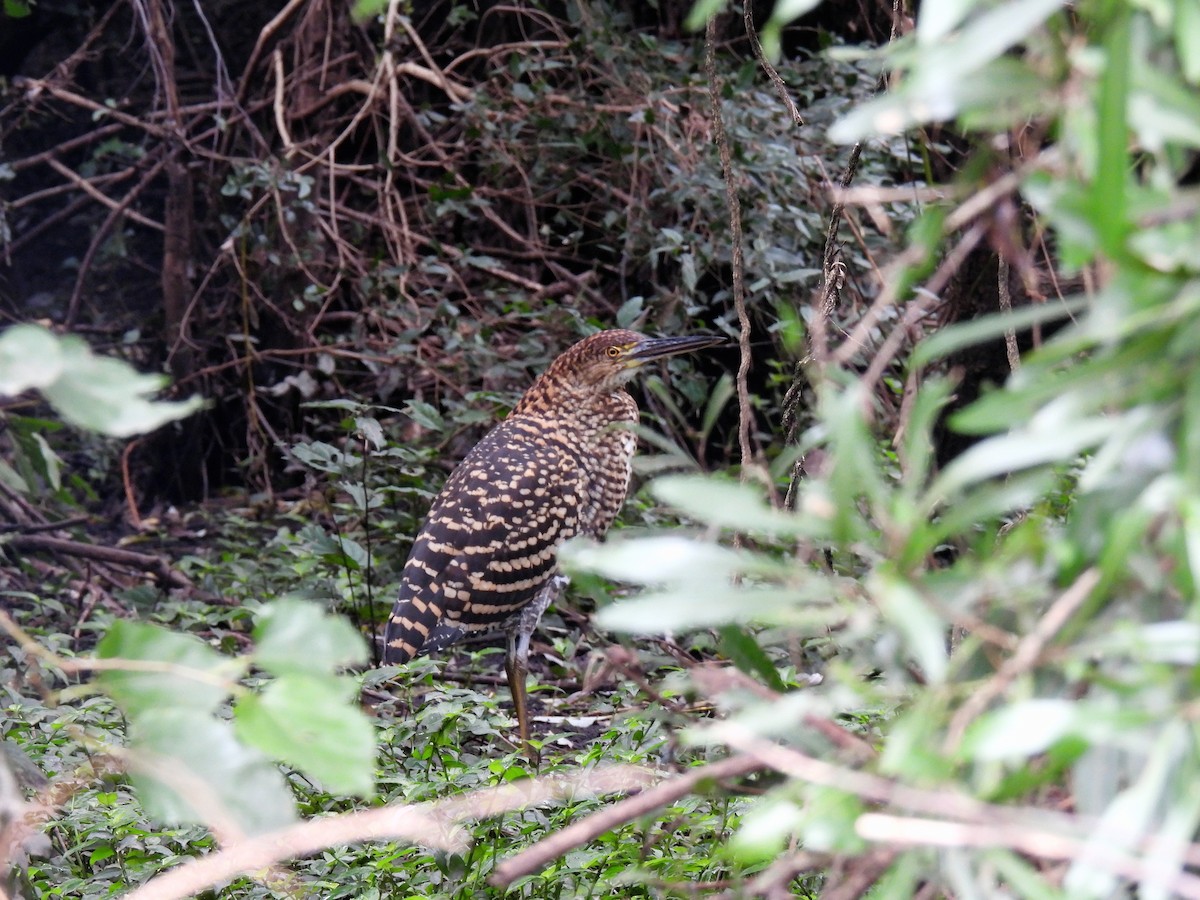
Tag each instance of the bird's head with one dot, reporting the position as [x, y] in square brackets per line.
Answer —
[606, 360]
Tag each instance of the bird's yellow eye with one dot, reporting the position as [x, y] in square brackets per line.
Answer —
[613, 352]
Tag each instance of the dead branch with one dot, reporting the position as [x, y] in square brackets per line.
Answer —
[437, 825]
[550, 848]
[156, 565]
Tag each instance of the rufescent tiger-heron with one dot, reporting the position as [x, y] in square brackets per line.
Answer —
[557, 467]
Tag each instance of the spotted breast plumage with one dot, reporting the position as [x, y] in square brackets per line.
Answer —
[557, 467]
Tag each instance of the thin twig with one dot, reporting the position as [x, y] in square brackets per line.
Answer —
[736, 241]
[575, 835]
[436, 825]
[772, 73]
[143, 561]
[1010, 336]
[1024, 657]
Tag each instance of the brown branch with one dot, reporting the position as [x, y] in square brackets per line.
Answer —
[1010, 336]
[1024, 657]
[737, 247]
[550, 848]
[155, 564]
[436, 824]
[918, 308]
[772, 73]
[100, 197]
[101, 235]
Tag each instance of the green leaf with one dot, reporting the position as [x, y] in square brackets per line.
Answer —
[923, 631]
[298, 637]
[1054, 436]
[1187, 38]
[49, 467]
[1109, 198]
[630, 311]
[1020, 730]
[371, 431]
[702, 11]
[29, 358]
[653, 560]
[727, 504]
[765, 829]
[690, 607]
[189, 673]
[958, 337]
[16, 9]
[108, 396]
[312, 723]
[193, 769]
[90, 391]
[743, 649]
[425, 415]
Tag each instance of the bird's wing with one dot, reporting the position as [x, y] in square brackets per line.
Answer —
[489, 543]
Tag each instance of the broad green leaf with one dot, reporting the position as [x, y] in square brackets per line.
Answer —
[654, 560]
[1109, 195]
[950, 340]
[30, 357]
[371, 431]
[962, 72]
[766, 828]
[1187, 38]
[726, 504]
[629, 312]
[1131, 816]
[297, 636]
[1025, 878]
[108, 396]
[747, 655]
[1022, 729]
[194, 770]
[702, 11]
[425, 415]
[49, 466]
[187, 673]
[828, 820]
[923, 631]
[1055, 436]
[690, 607]
[940, 17]
[312, 723]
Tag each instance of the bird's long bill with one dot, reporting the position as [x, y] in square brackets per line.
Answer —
[660, 348]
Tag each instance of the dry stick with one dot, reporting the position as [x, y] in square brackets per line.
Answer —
[972, 208]
[155, 564]
[58, 189]
[265, 35]
[917, 308]
[575, 835]
[99, 196]
[774, 880]
[1010, 336]
[1025, 656]
[34, 85]
[99, 239]
[735, 234]
[859, 879]
[772, 72]
[429, 824]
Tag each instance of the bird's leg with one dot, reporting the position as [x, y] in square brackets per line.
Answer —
[516, 663]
